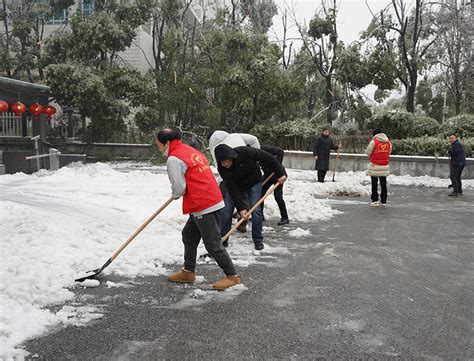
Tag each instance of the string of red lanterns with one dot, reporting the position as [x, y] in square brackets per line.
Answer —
[19, 108]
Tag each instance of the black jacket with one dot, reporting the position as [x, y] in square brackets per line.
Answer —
[322, 148]
[278, 153]
[457, 154]
[245, 171]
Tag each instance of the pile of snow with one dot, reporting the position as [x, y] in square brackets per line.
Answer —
[299, 232]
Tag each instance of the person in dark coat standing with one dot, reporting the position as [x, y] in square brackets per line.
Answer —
[278, 153]
[321, 151]
[457, 164]
[240, 171]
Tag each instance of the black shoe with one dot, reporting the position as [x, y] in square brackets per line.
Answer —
[454, 194]
[450, 186]
[225, 243]
[259, 246]
[283, 221]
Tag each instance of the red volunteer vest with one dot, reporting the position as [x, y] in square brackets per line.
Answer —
[381, 153]
[202, 190]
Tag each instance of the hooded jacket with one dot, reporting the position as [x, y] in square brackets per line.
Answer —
[245, 171]
[378, 170]
[232, 140]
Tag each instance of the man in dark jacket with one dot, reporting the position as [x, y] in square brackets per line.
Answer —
[321, 150]
[241, 173]
[278, 153]
[457, 164]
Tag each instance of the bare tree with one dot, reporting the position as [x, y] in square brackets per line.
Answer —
[320, 40]
[408, 39]
[454, 48]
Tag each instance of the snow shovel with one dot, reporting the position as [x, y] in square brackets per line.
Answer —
[255, 206]
[94, 273]
[335, 165]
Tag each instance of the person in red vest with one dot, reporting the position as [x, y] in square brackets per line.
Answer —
[192, 178]
[379, 150]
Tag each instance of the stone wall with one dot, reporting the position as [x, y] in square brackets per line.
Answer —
[399, 164]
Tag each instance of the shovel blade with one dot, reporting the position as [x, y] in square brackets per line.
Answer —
[89, 275]
[93, 274]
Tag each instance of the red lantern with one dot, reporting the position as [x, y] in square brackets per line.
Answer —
[49, 110]
[18, 108]
[3, 106]
[36, 109]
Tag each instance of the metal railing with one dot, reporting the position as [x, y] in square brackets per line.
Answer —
[53, 156]
[12, 125]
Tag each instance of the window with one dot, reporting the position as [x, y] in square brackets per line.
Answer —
[58, 19]
[87, 7]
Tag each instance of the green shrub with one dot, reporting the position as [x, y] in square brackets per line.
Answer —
[424, 126]
[462, 124]
[428, 146]
[399, 124]
[297, 127]
[396, 124]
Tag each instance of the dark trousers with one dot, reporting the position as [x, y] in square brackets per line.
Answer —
[207, 228]
[254, 194]
[383, 186]
[321, 175]
[455, 175]
[278, 194]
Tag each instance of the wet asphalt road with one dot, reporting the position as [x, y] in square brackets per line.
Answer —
[371, 283]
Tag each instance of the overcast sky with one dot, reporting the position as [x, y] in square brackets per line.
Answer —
[353, 17]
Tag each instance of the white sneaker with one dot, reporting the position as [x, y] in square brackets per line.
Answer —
[374, 204]
[383, 204]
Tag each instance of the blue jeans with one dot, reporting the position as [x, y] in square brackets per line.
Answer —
[254, 194]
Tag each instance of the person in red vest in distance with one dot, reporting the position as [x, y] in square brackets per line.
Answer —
[379, 150]
[191, 178]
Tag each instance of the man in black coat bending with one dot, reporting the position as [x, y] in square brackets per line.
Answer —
[321, 150]
[241, 173]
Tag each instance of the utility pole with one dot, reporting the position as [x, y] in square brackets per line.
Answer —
[445, 108]
[470, 81]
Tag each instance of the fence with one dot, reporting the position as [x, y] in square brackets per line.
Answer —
[12, 125]
[350, 144]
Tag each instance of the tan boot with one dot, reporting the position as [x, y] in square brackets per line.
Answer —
[226, 282]
[183, 276]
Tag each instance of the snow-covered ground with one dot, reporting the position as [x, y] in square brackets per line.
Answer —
[56, 225]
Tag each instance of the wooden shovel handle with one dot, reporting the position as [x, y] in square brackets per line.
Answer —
[130, 239]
